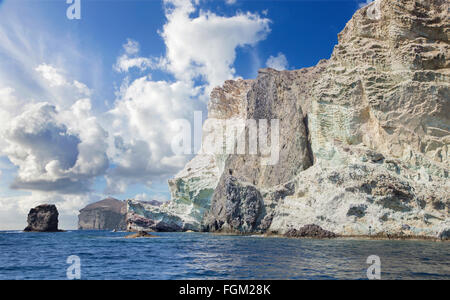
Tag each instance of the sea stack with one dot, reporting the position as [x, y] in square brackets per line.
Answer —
[43, 218]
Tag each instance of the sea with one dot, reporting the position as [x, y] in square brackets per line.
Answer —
[109, 255]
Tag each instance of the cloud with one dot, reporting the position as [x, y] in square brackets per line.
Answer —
[205, 46]
[10, 106]
[39, 144]
[54, 150]
[131, 47]
[82, 88]
[36, 60]
[142, 122]
[278, 62]
[55, 78]
[57, 142]
[130, 59]
[51, 74]
[144, 115]
[125, 63]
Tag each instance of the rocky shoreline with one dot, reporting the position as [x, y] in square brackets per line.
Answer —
[337, 237]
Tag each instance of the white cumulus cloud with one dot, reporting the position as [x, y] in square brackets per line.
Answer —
[142, 125]
[130, 59]
[55, 150]
[56, 78]
[205, 46]
[51, 74]
[52, 135]
[230, 2]
[278, 62]
[143, 118]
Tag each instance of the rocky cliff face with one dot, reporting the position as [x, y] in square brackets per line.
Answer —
[191, 189]
[108, 214]
[364, 136]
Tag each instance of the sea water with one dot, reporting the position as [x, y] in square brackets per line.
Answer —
[108, 255]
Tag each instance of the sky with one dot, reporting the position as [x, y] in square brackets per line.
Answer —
[87, 106]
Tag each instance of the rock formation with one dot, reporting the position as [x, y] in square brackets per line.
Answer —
[192, 188]
[140, 234]
[363, 138]
[310, 231]
[43, 218]
[108, 214]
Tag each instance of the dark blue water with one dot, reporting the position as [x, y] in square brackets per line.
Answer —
[107, 255]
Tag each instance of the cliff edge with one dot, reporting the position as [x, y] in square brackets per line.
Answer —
[108, 214]
[363, 137]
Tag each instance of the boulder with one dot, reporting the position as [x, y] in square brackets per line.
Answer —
[241, 210]
[444, 234]
[140, 234]
[310, 231]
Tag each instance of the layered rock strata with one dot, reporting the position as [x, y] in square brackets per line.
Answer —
[363, 138]
[108, 214]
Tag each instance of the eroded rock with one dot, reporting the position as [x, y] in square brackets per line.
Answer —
[108, 214]
[364, 137]
[140, 234]
[358, 211]
[43, 218]
[310, 231]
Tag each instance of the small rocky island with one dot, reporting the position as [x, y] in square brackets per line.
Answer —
[43, 218]
[107, 214]
[140, 234]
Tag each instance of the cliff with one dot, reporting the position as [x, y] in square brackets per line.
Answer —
[108, 214]
[363, 137]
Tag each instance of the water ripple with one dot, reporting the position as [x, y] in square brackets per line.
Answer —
[106, 255]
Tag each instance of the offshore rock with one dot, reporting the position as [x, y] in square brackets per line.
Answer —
[140, 234]
[310, 231]
[108, 214]
[444, 234]
[43, 218]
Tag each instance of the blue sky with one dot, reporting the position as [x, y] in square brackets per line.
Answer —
[87, 104]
